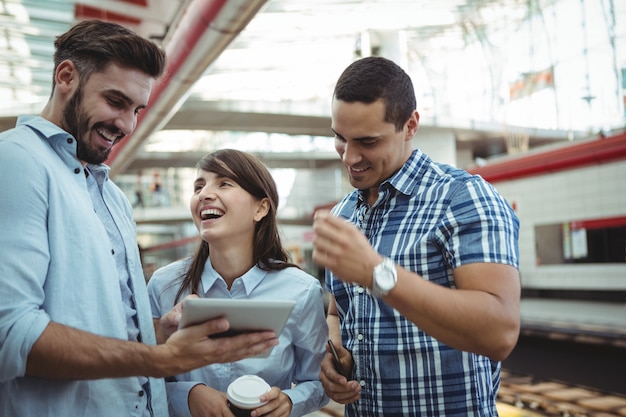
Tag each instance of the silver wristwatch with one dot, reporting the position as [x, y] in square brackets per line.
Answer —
[384, 278]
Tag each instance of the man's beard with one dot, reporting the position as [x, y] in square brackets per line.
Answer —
[75, 121]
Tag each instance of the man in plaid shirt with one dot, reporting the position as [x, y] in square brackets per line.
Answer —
[421, 262]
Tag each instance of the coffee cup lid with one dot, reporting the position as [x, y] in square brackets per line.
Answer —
[246, 390]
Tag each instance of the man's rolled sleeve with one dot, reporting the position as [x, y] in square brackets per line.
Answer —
[24, 258]
[18, 342]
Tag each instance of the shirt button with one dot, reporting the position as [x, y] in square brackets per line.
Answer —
[360, 290]
[70, 140]
[76, 170]
[141, 393]
[112, 251]
[360, 337]
[362, 383]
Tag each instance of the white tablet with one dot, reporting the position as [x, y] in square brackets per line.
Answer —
[243, 315]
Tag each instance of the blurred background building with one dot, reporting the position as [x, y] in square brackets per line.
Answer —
[494, 79]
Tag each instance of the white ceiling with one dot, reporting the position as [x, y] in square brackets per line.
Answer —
[30, 26]
[295, 49]
[284, 54]
[286, 38]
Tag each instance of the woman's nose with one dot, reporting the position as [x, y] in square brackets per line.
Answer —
[206, 193]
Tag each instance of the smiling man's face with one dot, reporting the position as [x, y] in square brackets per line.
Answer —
[104, 109]
[371, 148]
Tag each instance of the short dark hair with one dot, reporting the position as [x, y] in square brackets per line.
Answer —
[372, 78]
[92, 45]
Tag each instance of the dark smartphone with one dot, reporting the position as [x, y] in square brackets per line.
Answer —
[336, 358]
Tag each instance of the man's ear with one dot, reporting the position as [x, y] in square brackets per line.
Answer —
[66, 77]
[412, 125]
[262, 209]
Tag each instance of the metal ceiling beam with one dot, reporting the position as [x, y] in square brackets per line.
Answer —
[189, 159]
[205, 30]
[128, 9]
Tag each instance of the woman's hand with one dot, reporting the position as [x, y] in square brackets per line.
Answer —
[168, 323]
[208, 402]
[278, 404]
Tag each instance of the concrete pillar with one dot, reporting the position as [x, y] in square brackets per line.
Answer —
[390, 44]
[439, 145]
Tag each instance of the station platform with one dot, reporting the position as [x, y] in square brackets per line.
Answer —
[603, 322]
[334, 409]
[584, 321]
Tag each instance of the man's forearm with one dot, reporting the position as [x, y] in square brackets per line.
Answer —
[63, 352]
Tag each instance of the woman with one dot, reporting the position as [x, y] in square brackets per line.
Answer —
[240, 257]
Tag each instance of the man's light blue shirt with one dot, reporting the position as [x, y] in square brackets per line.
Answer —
[297, 358]
[56, 264]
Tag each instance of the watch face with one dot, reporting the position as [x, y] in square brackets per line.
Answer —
[384, 277]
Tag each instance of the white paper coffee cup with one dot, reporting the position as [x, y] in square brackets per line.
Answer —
[244, 393]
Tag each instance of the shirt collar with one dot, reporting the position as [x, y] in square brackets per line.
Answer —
[251, 279]
[405, 179]
[43, 126]
[53, 132]
[100, 171]
[411, 172]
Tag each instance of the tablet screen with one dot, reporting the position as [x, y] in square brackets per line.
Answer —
[243, 315]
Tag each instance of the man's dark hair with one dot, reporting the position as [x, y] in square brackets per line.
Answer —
[93, 45]
[372, 78]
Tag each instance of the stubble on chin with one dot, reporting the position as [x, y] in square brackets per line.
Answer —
[76, 122]
[89, 154]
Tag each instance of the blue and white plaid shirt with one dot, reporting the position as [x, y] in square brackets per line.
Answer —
[429, 218]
